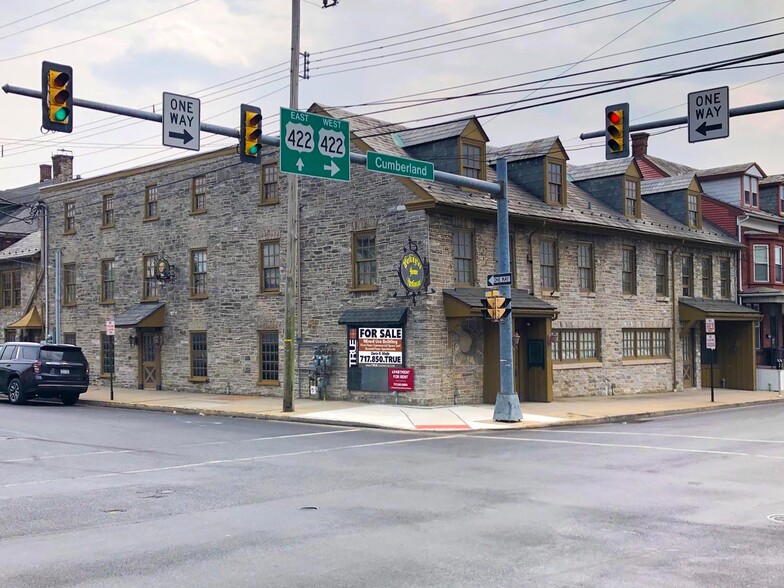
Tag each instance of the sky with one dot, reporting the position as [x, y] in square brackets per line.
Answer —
[401, 61]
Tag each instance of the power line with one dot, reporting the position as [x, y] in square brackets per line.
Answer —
[8, 24]
[484, 24]
[59, 18]
[490, 42]
[157, 14]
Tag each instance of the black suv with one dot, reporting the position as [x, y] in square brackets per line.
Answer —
[29, 370]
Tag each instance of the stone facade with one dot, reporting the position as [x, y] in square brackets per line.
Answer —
[448, 355]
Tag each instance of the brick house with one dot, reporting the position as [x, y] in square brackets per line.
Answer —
[596, 304]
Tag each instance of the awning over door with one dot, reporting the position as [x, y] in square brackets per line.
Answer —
[142, 315]
[698, 309]
[465, 302]
[762, 295]
[32, 320]
[374, 317]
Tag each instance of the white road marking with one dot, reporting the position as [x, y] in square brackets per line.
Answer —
[665, 435]
[118, 451]
[621, 445]
[229, 460]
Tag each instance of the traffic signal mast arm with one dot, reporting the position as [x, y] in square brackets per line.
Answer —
[447, 178]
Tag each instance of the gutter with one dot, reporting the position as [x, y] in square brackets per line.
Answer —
[739, 274]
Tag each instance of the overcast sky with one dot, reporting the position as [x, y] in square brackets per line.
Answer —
[367, 51]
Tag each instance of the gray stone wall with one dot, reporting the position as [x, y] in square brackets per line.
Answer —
[28, 268]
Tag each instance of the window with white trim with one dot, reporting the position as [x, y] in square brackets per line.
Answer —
[761, 263]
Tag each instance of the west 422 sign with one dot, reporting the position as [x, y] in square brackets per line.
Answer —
[314, 145]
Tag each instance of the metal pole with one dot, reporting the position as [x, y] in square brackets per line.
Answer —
[683, 120]
[713, 358]
[58, 293]
[111, 373]
[292, 224]
[507, 404]
[45, 261]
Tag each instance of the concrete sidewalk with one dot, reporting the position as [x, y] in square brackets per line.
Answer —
[568, 411]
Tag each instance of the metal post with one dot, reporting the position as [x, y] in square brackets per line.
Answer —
[45, 262]
[111, 373]
[507, 404]
[713, 358]
[58, 294]
[292, 224]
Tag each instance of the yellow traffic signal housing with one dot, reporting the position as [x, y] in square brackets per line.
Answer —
[616, 136]
[495, 306]
[57, 97]
[250, 134]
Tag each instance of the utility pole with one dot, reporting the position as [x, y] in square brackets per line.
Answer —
[292, 225]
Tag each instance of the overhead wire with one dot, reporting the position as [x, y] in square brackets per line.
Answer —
[29, 16]
[58, 19]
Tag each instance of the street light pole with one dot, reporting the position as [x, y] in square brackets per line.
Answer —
[292, 225]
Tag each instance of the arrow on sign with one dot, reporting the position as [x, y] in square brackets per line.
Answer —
[332, 168]
[499, 279]
[184, 136]
[300, 165]
[705, 128]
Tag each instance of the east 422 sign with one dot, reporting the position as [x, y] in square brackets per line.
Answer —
[314, 145]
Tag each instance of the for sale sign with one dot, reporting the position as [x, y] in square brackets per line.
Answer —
[381, 346]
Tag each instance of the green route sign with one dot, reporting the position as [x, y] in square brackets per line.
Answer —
[314, 145]
[399, 166]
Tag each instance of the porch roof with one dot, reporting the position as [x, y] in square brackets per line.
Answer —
[374, 317]
[463, 302]
[697, 309]
[31, 320]
[142, 315]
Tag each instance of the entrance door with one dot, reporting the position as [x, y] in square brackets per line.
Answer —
[687, 347]
[150, 361]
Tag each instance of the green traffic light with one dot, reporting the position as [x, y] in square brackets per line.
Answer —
[61, 114]
[253, 150]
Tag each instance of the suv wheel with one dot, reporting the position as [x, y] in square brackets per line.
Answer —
[15, 393]
[69, 398]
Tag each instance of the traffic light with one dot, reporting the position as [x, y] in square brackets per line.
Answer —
[57, 97]
[616, 136]
[495, 306]
[250, 133]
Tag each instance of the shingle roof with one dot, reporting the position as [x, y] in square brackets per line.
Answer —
[669, 167]
[521, 299]
[521, 151]
[25, 247]
[716, 306]
[137, 313]
[374, 317]
[666, 184]
[602, 169]
[411, 137]
[736, 168]
[584, 210]
[775, 179]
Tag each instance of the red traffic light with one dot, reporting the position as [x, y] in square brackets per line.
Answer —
[614, 116]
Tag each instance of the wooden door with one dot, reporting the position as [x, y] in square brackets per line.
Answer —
[687, 349]
[150, 361]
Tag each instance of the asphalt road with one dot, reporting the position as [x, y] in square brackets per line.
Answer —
[106, 497]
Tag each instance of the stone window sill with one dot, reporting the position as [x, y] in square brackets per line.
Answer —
[630, 296]
[588, 294]
[198, 379]
[662, 299]
[551, 294]
[653, 361]
[270, 294]
[150, 219]
[364, 289]
[577, 365]
[198, 212]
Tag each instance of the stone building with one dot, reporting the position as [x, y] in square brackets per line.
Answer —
[602, 300]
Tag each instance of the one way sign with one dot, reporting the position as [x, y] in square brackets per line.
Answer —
[499, 279]
[181, 121]
[709, 114]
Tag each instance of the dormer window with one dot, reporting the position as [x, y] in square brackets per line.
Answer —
[781, 200]
[631, 197]
[751, 191]
[556, 194]
[693, 209]
[471, 159]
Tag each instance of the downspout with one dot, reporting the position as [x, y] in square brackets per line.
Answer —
[531, 254]
[675, 332]
[739, 274]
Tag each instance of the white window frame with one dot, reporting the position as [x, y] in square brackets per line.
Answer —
[765, 248]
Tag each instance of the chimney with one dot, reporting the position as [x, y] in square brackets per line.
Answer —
[640, 144]
[62, 166]
[45, 172]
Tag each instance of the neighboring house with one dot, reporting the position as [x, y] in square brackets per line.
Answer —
[748, 206]
[21, 311]
[601, 304]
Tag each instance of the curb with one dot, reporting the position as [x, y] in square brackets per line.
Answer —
[343, 423]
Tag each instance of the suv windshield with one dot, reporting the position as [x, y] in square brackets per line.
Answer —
[62, 354]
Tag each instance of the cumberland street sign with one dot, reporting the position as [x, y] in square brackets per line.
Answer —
[314, 145]
[400, 166]
[181, 121]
